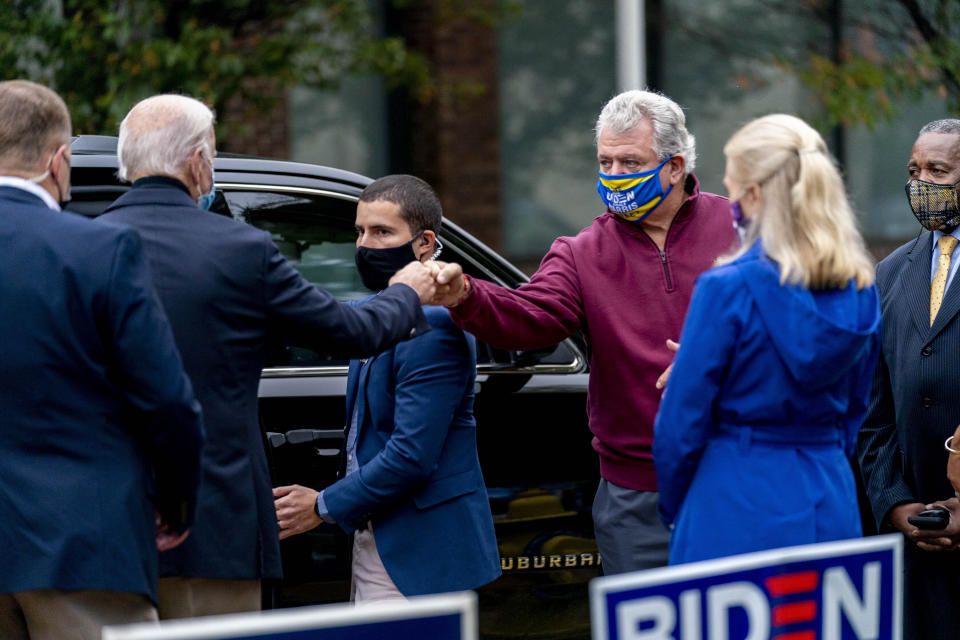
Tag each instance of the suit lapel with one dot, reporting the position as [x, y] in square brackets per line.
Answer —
[356, 393]
[353, 376]
[361, 397]
[915, 284]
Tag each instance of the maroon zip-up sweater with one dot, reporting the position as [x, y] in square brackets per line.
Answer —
[613, 283]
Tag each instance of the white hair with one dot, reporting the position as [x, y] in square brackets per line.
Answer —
[626, 111]
[160, 134]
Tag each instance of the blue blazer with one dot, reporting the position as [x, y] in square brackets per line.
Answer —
[229, 293]
[98, 423]
[419, 479]
[758, 422]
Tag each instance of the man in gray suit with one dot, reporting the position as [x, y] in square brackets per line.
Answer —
[914, 404]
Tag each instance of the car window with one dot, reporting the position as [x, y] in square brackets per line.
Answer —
[316, 234]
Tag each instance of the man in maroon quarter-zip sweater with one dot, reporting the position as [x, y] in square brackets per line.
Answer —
[625, 283]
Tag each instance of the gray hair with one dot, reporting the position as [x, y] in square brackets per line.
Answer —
[948, 125]
[670, 136]
[160, 134]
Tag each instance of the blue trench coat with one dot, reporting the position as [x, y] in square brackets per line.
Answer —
[756, 429]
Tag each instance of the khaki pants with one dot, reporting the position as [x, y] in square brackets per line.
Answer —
[193, 597]
[55, 614]
[371, 582]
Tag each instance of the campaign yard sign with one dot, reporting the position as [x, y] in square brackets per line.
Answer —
[451, 616]
[847, 590]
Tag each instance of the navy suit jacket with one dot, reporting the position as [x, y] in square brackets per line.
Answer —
[914, 403]
[419, 479]
[914, 406]
[229, 293]
[98, 423]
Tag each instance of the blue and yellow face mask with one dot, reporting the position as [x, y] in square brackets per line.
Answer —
[633, 196]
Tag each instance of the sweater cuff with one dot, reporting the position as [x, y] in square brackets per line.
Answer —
[467, 309]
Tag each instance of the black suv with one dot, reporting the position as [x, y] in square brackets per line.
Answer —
[534, 444]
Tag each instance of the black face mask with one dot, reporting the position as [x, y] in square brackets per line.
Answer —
[377, 266]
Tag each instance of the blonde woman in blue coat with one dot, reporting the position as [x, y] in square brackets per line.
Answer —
[756, 428]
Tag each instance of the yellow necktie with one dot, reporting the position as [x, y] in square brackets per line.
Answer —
[939, 284]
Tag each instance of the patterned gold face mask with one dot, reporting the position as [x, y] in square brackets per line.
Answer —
[936, 206]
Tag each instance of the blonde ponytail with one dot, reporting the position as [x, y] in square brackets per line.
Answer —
[805, 220]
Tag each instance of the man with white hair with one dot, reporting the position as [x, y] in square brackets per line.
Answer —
[227, 290]
[100, 432]
[625, 283]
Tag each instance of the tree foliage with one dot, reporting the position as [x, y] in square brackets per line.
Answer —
[861, 61]
[103, 56]
[893, 52]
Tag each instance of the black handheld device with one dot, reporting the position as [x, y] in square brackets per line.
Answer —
[930, 519]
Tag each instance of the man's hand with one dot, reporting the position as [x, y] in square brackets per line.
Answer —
[449, 278]
[928, 539]
[167, 538]
[420, 278]
[899, 514]
[662, 380]
[945, 539]
[953, 462]
[295, 509]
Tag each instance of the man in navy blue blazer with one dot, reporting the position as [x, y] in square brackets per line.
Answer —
[411, 489]
[913, 403]
[100, 434]
[229, 293]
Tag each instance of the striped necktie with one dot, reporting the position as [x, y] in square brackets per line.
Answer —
[939, 284]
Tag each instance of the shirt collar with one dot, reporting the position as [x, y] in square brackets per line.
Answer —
[30, 187]
[939, 234]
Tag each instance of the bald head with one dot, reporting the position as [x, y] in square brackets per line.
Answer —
[34, 123]
[161, 135]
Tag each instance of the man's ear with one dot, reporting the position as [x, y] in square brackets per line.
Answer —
[428, 241]
[193, 168]
[676, 165]
[59, 160]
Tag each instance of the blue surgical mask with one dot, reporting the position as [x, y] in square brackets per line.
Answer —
[206, 200]
[633, 196]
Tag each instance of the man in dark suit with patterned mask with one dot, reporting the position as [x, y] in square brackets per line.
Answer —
[914, 406]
